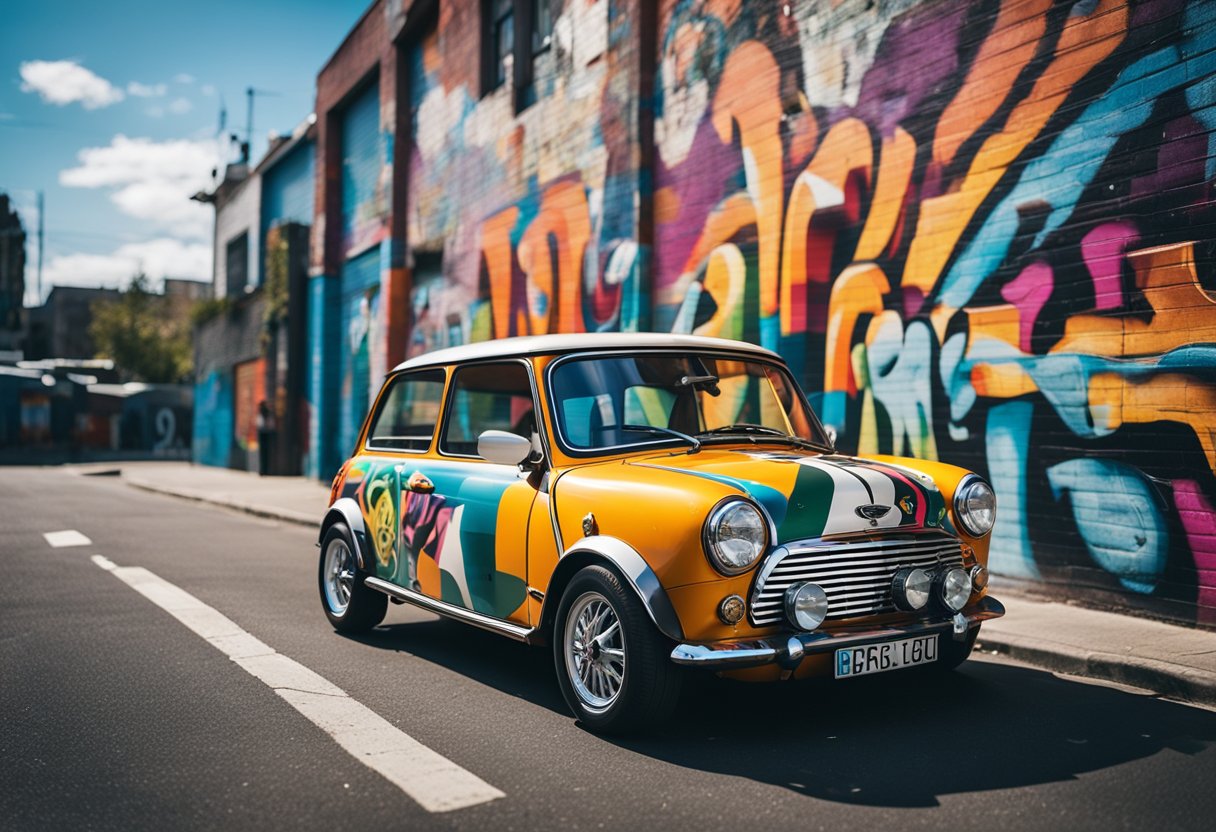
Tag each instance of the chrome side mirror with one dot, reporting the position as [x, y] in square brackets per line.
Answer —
[503, 448]
[831, 432]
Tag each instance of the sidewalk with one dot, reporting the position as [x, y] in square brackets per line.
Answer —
[1171, 661]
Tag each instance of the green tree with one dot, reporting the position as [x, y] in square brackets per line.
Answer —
[139, 335]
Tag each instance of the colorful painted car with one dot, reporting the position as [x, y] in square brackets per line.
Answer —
[649, 503]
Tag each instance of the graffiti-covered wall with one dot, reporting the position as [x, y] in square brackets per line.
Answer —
[983, 231]
[979, 231]
[528, 222]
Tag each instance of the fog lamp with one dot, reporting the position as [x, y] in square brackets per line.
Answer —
[953, 588]
[806, 605]
[910, 589]
[979, 577]
[730, 611]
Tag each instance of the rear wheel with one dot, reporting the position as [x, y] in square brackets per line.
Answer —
[613, 665]
[349, 605]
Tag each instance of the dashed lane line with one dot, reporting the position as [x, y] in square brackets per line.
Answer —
[67, 537]
[433, 781]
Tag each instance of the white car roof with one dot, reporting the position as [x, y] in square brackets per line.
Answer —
[548, 344]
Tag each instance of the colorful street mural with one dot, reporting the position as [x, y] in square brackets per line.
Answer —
[979, 252]
[979, 231]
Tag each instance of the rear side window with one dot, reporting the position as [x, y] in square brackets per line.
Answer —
[410, 409]
[487, 397]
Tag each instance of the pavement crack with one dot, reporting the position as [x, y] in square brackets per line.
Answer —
[317, 692]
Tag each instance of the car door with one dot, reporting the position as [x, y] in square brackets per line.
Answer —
[400, 436]
[464, 520]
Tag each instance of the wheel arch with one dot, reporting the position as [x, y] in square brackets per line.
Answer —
[346, 510]
[623, 559]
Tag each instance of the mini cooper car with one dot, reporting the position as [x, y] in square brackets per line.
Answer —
[645, 504]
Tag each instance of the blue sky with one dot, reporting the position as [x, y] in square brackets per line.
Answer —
[112, 110]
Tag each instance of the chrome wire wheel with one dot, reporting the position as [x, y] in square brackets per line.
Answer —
[338, 575]
[595, 651]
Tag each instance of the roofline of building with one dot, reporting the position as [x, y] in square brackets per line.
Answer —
[349, 34]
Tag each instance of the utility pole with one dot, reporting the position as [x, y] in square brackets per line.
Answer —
[41, 227]
[249, 118]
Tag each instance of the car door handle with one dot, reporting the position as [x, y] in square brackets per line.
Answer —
[419, 483]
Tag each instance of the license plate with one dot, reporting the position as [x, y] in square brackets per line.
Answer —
[890, 655]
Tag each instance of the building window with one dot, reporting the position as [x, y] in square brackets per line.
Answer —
[506, 51]
[237, 264]
[542, 25]
[500, 41]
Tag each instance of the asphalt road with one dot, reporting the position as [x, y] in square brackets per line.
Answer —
[113, 715]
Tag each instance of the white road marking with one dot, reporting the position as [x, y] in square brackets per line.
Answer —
[433, 781]
[68, 537]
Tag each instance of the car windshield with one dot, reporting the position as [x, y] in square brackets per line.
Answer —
[619, 401]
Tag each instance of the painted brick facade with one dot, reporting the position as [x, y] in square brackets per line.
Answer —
[979, 232]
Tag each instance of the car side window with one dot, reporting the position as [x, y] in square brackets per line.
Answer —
[406, 420]
[487, 397]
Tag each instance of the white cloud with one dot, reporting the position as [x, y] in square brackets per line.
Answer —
[158, 258]
[146, 90]
[178, 106]
[155, 112]
[207, 90]
[66, 82]
[183, 78]
[153, 181]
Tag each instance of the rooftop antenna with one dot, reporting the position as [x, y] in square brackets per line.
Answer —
[250, 92]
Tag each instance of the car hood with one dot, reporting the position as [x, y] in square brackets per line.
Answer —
[810, 495]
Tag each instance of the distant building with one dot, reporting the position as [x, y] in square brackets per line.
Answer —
[60, 327]
[252, 350]
[12, 275]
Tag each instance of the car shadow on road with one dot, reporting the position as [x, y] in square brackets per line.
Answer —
[900, 739]
[905, 739]
[508, 666]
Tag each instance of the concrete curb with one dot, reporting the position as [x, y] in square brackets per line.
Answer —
[268, 512]
[1174, 681]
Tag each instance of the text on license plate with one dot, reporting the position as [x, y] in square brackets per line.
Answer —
[890, 655]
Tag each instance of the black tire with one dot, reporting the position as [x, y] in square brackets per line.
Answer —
[365, 607]
[954, 653]
[649, 684]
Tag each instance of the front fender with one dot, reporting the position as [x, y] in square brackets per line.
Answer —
[347, 511]
[631, 565]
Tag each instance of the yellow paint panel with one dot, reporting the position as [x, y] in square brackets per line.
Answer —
[510, 536]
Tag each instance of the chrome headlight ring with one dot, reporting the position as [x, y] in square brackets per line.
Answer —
[975, 505]
[735, 536]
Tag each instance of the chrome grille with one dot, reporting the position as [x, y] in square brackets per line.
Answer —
[855, 574]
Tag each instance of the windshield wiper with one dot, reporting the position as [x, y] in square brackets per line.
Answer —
[749, 429]
[653, 429]
[744, 427]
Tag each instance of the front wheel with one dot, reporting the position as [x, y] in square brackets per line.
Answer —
[349, 605]
[613, 665]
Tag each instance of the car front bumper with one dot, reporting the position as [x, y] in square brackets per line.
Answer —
[788, 650]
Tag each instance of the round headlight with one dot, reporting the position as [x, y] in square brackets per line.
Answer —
[954, 588]
[910, 589]
[806, 605]
[975, 506]
[735, 536]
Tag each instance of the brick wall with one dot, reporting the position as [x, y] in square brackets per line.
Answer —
[979, 231]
